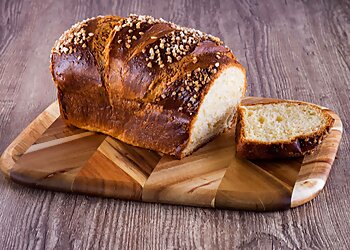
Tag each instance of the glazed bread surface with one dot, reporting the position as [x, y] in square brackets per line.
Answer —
[281, 129]
[147, 82]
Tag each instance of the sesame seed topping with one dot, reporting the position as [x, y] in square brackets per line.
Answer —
[75, 35]
[149, 65]
[65, 50]
[217, 64]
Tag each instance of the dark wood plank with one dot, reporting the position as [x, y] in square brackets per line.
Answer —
[291, 49]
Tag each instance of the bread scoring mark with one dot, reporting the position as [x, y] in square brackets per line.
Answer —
[164, 49]
[135, 25]
[174, 46]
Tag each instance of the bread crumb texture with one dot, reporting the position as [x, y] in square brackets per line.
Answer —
[281, 121]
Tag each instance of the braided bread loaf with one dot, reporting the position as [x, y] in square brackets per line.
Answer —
[147, 82]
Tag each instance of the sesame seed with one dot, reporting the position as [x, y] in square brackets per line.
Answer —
[180, 108]
[154, 37]
[119, 41]
[195, 60]
[79, 57]
[127, 45]
[65, 50]
[217, 64]
[217, 56]
[149, 65]
[84, 45]
[163, 96]
[130, 31]
[91, 34]
[141, 33]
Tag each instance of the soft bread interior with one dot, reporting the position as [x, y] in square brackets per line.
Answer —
[218, 107]
[281, 121]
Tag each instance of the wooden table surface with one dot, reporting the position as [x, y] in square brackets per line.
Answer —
[291, 49]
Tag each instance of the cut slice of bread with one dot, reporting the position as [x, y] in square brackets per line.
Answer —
[280, 129]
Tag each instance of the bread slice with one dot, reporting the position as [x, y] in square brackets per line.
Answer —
[280, 129]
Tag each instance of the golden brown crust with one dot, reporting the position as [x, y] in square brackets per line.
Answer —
[295, 147]
[129, 86]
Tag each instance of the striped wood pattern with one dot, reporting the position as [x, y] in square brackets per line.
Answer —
[49, 154]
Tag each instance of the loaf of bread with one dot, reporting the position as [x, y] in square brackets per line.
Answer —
[147, 82]
[280, 129]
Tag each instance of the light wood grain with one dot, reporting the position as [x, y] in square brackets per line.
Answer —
[291, 49]
[96, 164]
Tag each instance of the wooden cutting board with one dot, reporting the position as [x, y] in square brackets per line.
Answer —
[50, 155]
